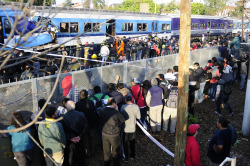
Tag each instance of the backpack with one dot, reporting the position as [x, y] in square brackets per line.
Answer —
[233, 134]
[99, 105]
[166, 89]
[173, 98]
[227, 89]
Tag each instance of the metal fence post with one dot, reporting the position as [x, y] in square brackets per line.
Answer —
[125, 72]
[146, 68]
[34, 85]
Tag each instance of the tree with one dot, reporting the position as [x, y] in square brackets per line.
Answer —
[238, 10]
[131, 5]
[215, 6]
[198, 8]
[171, 7]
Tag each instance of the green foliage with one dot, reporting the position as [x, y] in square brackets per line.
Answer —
[215, 6]
[171, 7]
[236, 143]
[192, 119]
[132, 5]
[67, 3]
[238, 10]
[198, 9]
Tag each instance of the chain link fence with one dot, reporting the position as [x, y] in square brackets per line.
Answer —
[25, 94]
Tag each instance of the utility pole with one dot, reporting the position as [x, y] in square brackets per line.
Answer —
[183, 82]
[242, 24]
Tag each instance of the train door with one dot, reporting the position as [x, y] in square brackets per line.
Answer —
[110, 28]
[154, 26]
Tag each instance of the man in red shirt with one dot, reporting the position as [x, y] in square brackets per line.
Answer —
[137, 91]
[192, 148]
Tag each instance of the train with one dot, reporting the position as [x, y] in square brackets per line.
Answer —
[69, 25]
[27, 33]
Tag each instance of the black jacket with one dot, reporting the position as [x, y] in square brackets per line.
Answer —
[88, 108]
[111, 119]
[74, 124]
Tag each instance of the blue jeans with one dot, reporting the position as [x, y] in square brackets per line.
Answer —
[242, 80]
[143, 116]
[138, 55]
[223, 100]
[104, 58]
[199, 93]
[212, 90]
[235, 52]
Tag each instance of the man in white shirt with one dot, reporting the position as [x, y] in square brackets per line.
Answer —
[104, 53]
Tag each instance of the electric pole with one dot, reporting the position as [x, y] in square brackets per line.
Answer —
[183, 82]
[242, 24]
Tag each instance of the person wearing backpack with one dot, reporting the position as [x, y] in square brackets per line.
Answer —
[99, 99]
[137, 92]
[223, 90]
[220, 144]
[170, 109]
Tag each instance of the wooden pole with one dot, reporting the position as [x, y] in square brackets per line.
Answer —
[242, 24]
[183, 82]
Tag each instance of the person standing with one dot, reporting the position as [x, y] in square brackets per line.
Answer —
[104, 53]
[22, 144]
[137, 92]
[111, 119]
[52, 137]
[193, 156]
[75, 126]
[131, 112]
[87, 107]
[202, 82]
[154, 101]
[220, 144]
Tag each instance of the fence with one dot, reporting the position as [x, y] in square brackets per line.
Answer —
[25, 94]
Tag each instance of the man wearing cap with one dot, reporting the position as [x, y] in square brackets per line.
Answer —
[154, 101]
[131, 112]
[192, 147]
[137, 91]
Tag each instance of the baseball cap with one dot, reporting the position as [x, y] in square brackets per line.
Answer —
[136, 80]
[193, 128]
[128, 98]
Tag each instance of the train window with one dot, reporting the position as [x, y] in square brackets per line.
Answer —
[87, 27]
[142, 27]
[245, 25]
[64, 27]
[74, 27]
[221, 26]
[127, 27]
[202, 26]
[96, 27]
[165, 27]
[231, 26]
[156, 26]
[195, 26]
[179, 26]
[153, 26]
[235, 25]
[208, 24]
[238, 25]
[7, 26]
[215, 25]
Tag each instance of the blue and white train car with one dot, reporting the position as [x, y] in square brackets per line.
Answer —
[96, 26]
[238, 26]
[24, 26]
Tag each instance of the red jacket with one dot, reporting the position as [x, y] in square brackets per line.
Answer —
[66, 85]
[193, 157]
[135, 90]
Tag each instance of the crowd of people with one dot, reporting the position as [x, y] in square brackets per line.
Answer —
[91, 55]
[109, 119]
